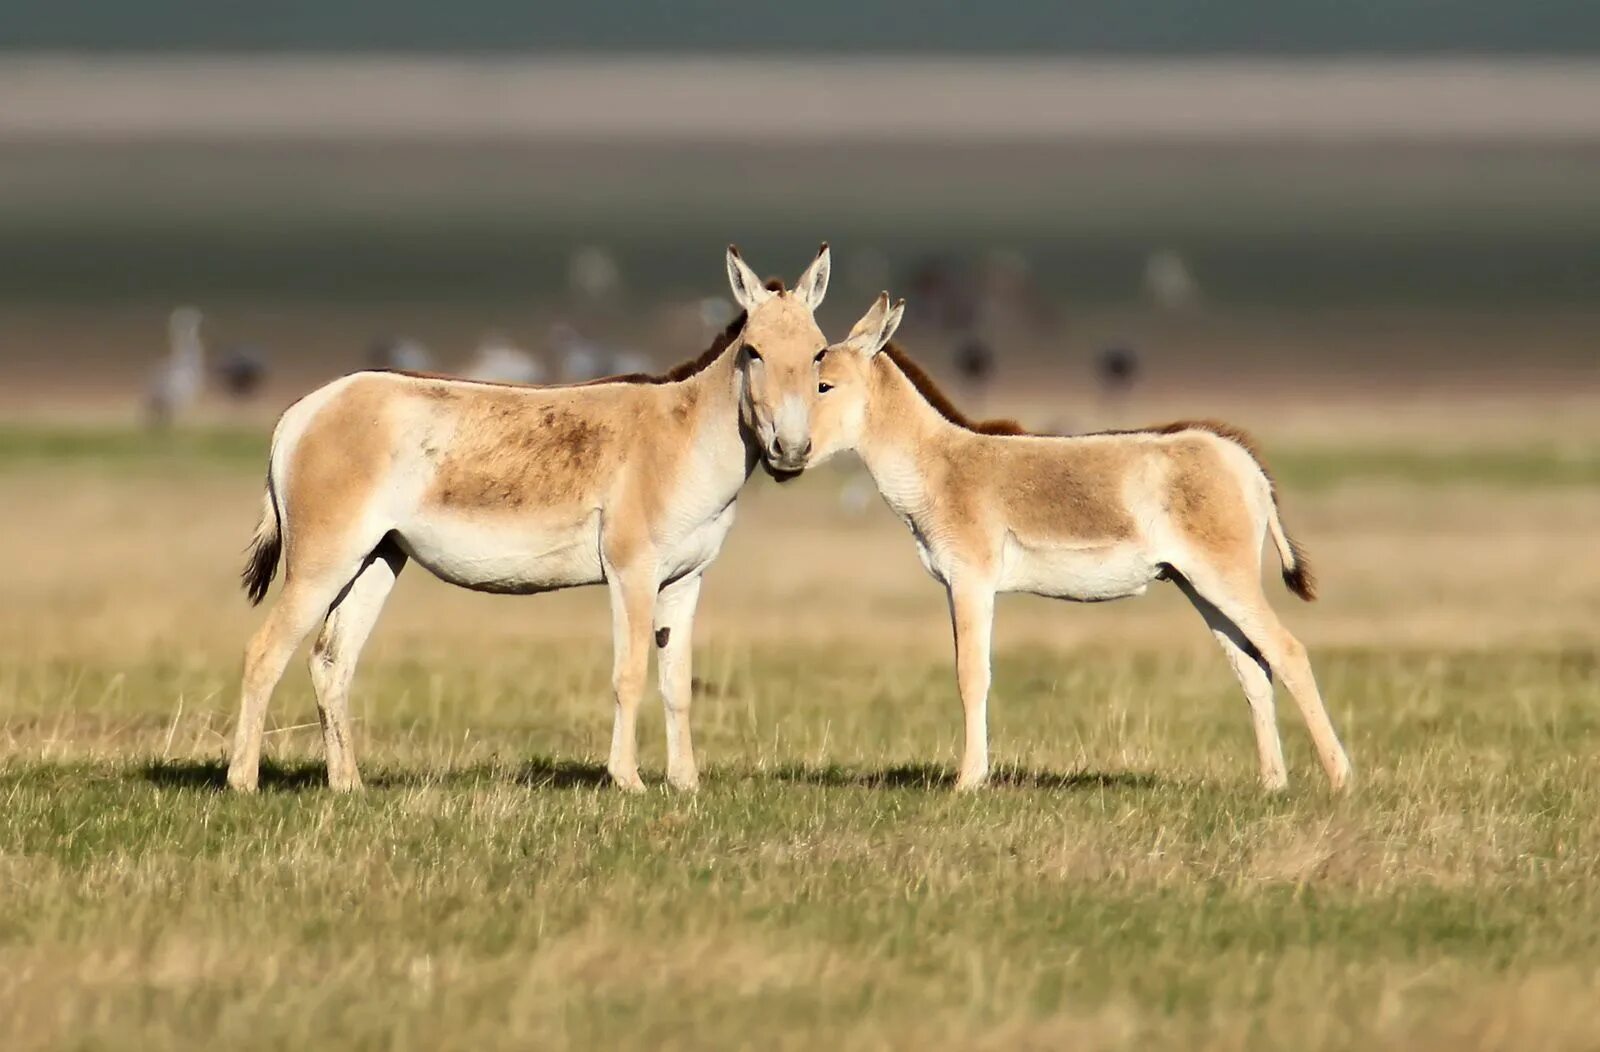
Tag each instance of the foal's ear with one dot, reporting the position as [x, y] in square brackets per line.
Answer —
[813, 284]
[748, 289]
[876, 326]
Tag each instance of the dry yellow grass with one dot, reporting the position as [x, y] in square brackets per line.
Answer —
[1123, 885]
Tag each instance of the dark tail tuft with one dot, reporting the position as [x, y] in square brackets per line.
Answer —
[1298, 575]
[265, 549]
[261, 567]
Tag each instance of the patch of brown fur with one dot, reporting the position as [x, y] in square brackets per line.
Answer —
[1050, 492]
[514, 449]
[1214, 524]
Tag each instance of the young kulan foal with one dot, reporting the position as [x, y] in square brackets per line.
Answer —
[1088, 518]
[628, 482]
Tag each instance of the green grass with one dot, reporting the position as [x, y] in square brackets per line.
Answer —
[1314, 468]
[1123, 884]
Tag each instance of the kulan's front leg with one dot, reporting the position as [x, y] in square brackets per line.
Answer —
[675, 608]
[633, 597]
[972, 617]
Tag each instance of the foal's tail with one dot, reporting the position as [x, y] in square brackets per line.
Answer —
[1296, 568]
[265, 548]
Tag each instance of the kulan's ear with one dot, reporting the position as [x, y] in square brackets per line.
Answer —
[813, 284]
[748, 290]
[872, 332]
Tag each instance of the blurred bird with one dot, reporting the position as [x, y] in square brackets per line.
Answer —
[593, 274]
[242, 370]
[1168, 281]
[500, 360]
[400, 354]
[630, 363]
[1116, 373]
[715, 312]
[1117, 368]
[581, 360]
[975, 365]
[178, 379]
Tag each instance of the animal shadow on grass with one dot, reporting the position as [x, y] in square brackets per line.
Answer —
[936, 776]
[299, 776]
[213, 775]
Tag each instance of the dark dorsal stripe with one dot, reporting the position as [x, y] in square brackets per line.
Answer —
[936, 398]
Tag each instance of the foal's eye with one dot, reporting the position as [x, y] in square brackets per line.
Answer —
[824, 387]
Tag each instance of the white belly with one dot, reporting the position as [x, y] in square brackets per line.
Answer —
[1083, 574]
[510, 554]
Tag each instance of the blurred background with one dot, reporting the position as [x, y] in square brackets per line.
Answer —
[1369, 232]
[1097, 211]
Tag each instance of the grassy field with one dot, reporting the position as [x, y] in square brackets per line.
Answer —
[1124, 884]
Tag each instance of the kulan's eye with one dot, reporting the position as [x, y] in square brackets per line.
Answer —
[754, 355]
[824, 387]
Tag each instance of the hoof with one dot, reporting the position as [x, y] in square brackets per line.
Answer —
[628, 782]
[241, 781]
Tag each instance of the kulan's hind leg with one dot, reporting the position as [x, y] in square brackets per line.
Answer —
[337, 650]
[1242, 602]
[1255, 676]
[303, 601]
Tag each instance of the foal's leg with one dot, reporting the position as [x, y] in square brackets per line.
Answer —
[633, 597]
[1240, 599]
[972, 617]
[1255, 676]
[336, 651]
[674, 625]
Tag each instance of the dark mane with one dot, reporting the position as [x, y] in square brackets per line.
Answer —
[931, 394]
[936, 398]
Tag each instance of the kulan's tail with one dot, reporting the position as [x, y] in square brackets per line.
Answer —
[265, 549]
[1296, 568]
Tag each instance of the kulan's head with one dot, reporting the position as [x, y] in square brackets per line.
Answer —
[780, 355]
[844, 380]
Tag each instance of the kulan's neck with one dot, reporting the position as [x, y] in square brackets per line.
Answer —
[902, 437]
[718, 429]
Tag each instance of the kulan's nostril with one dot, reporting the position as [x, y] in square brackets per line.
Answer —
[806, 452]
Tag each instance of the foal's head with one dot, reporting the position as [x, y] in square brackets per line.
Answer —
[844, 379]
[780, 352]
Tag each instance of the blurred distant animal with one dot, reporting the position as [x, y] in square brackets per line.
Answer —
[975, 365]
[1116, 374]
[1169, 282]
[1117, 369]
[944, 294]
[500, 360]
[715, 312]
[399, 354]
[579, 359]
[593, 273]
[242, 370]
[179, 378]
[629, 363]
